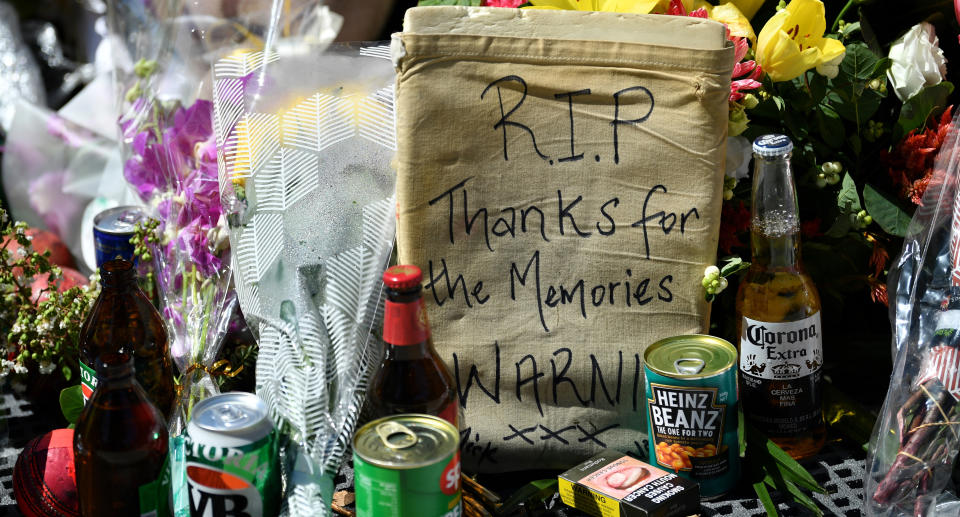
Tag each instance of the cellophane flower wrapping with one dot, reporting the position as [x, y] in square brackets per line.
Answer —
[305, 140]
[915, 440]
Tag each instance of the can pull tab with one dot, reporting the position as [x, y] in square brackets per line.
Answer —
[689, 365]
[396, 436]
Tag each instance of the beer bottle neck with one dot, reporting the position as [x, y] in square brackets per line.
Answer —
[775, 219]
[405, 320]
[118, 274]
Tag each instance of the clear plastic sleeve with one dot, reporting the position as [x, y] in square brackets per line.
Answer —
[915, 440]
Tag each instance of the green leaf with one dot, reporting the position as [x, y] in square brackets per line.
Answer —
[778, 101]
[67, 373]
[537, 490]
[830, 125]
[847, 199]
[781, 482]
[839, 228]
[920, 107]
[765, 499]
[855, 144]
[792, 468]
[858, 63]
[880, 69]
[741, 434]
[885, 212]
[733, 266]
[71, 403]
[850, 28]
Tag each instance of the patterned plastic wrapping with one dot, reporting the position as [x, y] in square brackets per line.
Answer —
[305, 139]
[914, 444]
[19, 75]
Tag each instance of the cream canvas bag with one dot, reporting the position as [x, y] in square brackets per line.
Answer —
[559, 183]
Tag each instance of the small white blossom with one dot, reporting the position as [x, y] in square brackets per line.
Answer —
[831, 68]
[46, 367]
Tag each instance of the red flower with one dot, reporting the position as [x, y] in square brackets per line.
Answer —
[878, 291]
[734, 219]
[910, 164]
[878, 259]
[811, 229]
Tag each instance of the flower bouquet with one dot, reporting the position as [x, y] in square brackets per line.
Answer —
[170, 160]
[861, 89]
[309, 194]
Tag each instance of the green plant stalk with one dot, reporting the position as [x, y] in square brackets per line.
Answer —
[836, 22]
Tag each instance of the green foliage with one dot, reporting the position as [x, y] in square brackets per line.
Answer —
[921, 107]
[534, 491]
[885, 211]
[767, 465]
[40, 336]
[71, 403]
[840, 127]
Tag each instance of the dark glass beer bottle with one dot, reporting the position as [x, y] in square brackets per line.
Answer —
[778, 313]
[119, 445]
[123, 320]
[412, 378]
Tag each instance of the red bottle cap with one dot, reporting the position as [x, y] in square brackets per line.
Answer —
[402, 277]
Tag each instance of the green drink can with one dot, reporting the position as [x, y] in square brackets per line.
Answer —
[231, 458]
[691, 391]
[407, 466]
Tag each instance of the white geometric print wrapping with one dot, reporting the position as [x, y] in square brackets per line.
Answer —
[310, 199]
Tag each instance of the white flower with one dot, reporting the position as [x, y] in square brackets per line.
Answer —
[738, 157]
[831, 68]
[917, 61]
[47, 368]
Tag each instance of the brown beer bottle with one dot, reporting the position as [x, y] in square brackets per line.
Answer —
[123, 320]
[412, 378]
[119, 445]
[778, 313]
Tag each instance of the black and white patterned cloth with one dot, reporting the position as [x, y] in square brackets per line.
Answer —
[836, 469]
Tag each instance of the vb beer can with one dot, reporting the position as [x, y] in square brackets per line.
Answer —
[407, 466]
[691, 391]
[112, 230]
[231, 458]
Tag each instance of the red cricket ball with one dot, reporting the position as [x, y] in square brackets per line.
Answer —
[44, 478]
[71, 278]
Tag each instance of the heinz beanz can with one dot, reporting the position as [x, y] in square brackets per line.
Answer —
[112, 230]
[231, 458]
[407, 466]
[691, 384]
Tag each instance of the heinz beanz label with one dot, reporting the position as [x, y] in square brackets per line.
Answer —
[691, 392]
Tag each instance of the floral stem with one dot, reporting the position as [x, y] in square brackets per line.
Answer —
[836, 23]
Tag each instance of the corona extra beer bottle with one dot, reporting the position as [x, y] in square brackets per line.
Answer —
[412, 378]
[778, 312]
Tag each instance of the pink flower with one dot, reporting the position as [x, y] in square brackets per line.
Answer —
[740, 45]
[677, 9]
[743, 68]
[503, 3]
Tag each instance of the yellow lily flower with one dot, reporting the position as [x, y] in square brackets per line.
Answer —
[616, 6]
[792, 41]
[729, 15]
[747, 7]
